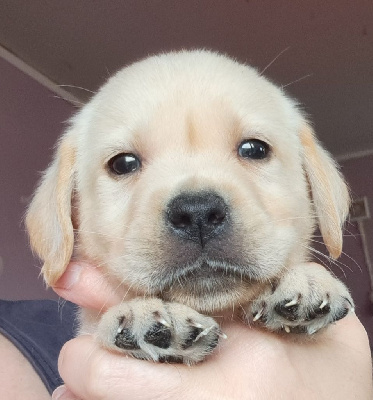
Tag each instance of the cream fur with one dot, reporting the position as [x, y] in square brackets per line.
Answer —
[185, 114]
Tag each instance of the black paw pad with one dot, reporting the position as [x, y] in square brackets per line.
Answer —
[290, 312]
[171, 359]
[191, 337]
[341, 314]
[299, 329]
[213, 343]
[158, 335]
[318, 312]
[125, 340]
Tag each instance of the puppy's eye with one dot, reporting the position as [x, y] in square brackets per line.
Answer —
[253, 149]
[124, 163]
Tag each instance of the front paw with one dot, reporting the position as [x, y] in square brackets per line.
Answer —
[160, 331]
[306, 299]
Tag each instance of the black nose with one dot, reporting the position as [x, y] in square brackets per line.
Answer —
[197, 216]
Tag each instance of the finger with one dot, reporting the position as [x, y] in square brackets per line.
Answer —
[63, 393]
[85, 285]
[93, 373]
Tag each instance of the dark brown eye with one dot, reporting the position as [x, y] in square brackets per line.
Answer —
[253, 149]
[124, 163]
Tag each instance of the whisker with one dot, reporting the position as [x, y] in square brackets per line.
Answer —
[297, 80]
[329, 259]
[351, 234]
[322, 261]
[99, 234]
[278, 55]
[355, 236]
[293, 218]
[77, 87]
[76, 103]
[346, 255]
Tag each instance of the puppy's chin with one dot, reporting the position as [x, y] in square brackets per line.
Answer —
[212, 293]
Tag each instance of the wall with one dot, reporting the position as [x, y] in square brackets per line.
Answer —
[30, 121]
[352, 267]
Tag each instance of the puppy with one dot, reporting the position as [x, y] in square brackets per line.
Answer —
[196, 185]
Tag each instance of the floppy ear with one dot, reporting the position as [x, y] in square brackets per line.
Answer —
[48, 219]
[330, 194]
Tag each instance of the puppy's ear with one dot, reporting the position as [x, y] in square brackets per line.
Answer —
[48, 219]
[330, 194]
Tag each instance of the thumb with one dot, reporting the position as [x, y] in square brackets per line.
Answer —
[94, 373]
[86, 285]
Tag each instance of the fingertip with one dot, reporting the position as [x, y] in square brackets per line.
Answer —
[63, 393]
[70, 277]
[74, 361]
[85, 284]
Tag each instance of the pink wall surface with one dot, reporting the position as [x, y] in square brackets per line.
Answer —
[31, 119]
[352, 267]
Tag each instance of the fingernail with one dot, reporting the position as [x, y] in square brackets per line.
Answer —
[70, 277]
[59, 392]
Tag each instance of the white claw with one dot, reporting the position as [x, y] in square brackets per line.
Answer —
[198, 325]
[207, 330]
[223, 335]
[323, 304]
[164, 322]
[311, 331]
[120, 329]
[204, 333]
[287, 329]
[160, 319]
[292, 302]
[258, 315]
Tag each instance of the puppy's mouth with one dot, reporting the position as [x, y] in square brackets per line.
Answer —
[212, 269]
[206, 276]
[207, 285]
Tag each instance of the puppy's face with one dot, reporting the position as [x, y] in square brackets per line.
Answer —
[189, 174]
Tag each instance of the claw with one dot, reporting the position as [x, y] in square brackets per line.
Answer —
[311, 331]
[205, 332]
[292, 302]
[323, 304]
[121, 325]
[287, 329]
[164, 322]
[120, 328]
[160, 319]
[223, 335]
[258, 315]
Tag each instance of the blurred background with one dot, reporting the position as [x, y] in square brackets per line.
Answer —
[55, 54]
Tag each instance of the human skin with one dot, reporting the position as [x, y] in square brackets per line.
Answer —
[18, 379]
[249, 364]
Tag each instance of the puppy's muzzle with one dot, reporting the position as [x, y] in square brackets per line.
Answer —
[198, 217]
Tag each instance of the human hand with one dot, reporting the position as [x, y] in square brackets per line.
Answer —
[250, 364]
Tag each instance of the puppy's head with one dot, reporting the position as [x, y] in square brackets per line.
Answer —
[191, 177]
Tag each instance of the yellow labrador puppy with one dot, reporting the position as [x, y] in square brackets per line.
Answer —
[196, 184]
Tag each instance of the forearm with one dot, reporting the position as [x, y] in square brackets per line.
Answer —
[18, 379]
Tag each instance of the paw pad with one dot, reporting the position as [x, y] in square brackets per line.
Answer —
[287, 310]
[304, 301]
[195, 331]
[125, 340]
[151, 329]
[158, 335]
[341, 314]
